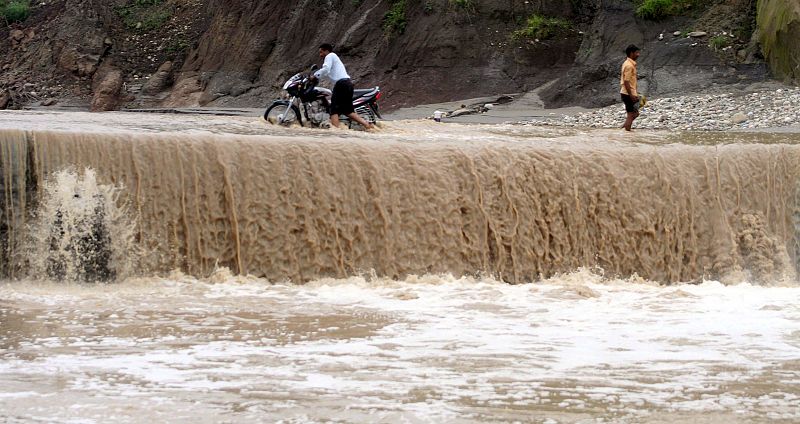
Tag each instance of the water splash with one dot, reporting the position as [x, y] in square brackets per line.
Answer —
[81, 231]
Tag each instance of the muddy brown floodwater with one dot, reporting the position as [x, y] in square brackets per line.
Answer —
[423, 273]
[576, 348]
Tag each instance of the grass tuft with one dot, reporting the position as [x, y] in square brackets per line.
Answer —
[468, 5]
[394, 22]
[658, 10]
[541, 28]
[144, 15]
[15, 11]
[655, 10]
[719, 42]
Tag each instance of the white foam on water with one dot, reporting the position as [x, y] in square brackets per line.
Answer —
[80, 231]
[430, 348]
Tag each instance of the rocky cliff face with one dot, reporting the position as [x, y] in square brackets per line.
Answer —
[443, 52]
[672, 61]
[237, 53]
[55, 55]
[779, 33]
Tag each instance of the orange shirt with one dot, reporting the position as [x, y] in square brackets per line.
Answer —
[628, 74]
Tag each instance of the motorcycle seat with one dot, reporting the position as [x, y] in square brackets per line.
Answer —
[364, 92]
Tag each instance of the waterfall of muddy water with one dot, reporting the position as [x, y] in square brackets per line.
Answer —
[13, 183]
[510, 202]
[464, 207]
[79, 231]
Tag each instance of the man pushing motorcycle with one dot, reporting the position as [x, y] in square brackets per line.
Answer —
[342, 98]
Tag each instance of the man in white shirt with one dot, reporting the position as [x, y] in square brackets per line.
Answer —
[342, 98]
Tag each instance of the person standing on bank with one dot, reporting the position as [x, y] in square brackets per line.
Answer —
[342, 98]
[627, 86]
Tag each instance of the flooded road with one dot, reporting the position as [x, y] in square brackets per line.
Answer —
[576, 348]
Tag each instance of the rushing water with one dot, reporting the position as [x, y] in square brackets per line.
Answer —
[576, 348]
[516, 203]
[405, 241]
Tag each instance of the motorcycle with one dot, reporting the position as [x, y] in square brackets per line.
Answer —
[308, 104]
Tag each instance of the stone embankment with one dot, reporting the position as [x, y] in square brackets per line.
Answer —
[717, 112]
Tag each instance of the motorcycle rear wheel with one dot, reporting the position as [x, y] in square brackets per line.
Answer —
[291, 115]
[366, 112]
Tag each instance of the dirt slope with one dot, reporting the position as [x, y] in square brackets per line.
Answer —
[237, 53]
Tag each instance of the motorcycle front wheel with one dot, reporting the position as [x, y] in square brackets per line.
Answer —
[283, 114]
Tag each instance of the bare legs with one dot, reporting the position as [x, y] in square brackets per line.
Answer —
[352, 115]
[335, 120]
[629, 120]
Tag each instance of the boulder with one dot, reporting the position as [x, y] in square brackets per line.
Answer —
[5, 99]
[49, 102]
[741, 55]
[81, 64]
[504, 99]
[106, 88]
[697, 34]
[19, 37]
[16, 34]
[159, 81]
[186, 93]
[739, 118]
[459, 112]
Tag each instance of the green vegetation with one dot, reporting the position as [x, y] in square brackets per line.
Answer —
[394, 22]
[541, 28]
[177, 45]
[14, 11]
[654, 10]
[468, 5]
[719, 42]
[144, 15]
[657, 10]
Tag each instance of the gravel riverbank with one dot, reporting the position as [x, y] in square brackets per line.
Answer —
[717, 112]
